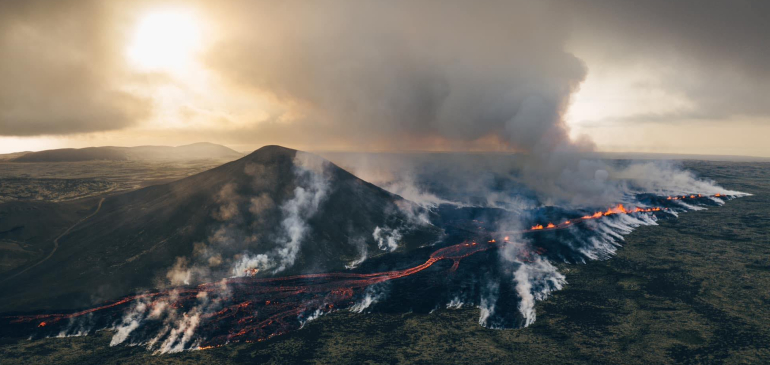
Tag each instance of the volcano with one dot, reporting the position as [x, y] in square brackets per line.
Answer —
[258, 247]
[276, 210]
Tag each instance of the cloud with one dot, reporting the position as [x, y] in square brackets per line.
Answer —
[710, 53]
[408, 74]
[60, 70]
[417, 75]
[716, 33]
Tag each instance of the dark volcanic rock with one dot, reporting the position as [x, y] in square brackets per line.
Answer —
[204, 224]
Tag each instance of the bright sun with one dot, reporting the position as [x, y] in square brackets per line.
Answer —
[165, 41]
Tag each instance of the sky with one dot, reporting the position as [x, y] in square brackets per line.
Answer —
[615, 76]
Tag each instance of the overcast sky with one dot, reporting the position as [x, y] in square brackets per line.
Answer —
[645, 76]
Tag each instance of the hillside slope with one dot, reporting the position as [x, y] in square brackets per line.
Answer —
[276, 210]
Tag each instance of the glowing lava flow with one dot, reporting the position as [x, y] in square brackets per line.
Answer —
[255, 309]
[618, 209]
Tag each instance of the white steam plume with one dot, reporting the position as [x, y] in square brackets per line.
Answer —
[178, 325]
[363, 251]
[373, 294]
[489, 297]
[311, 190]
[535, 281]
[387, 239]
[131, 321]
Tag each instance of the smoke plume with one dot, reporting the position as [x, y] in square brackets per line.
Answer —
[312, 189]
[413, 75]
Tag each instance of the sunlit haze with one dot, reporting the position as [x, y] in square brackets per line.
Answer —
[165, 40]
[382, 78]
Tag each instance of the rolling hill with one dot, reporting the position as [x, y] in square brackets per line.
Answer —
[195, 151]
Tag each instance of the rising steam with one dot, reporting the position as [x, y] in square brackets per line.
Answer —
[312, 189]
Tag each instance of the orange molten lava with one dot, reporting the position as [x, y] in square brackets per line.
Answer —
[209, 347]
[618, 209]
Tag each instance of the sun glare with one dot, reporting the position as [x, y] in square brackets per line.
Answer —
[165, 41]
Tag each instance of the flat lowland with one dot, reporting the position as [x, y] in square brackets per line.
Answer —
[65, 181]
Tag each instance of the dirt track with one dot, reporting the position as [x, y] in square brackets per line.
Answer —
[56, 241]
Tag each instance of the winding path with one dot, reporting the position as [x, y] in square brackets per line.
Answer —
[56, 242]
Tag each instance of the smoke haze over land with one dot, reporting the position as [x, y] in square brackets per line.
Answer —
[419, 75]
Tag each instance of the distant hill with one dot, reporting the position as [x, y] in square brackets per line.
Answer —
[11, 156]
[214, 217]
[674, 156]
[195, 151]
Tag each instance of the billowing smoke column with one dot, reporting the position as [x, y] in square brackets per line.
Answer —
[415, 75]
